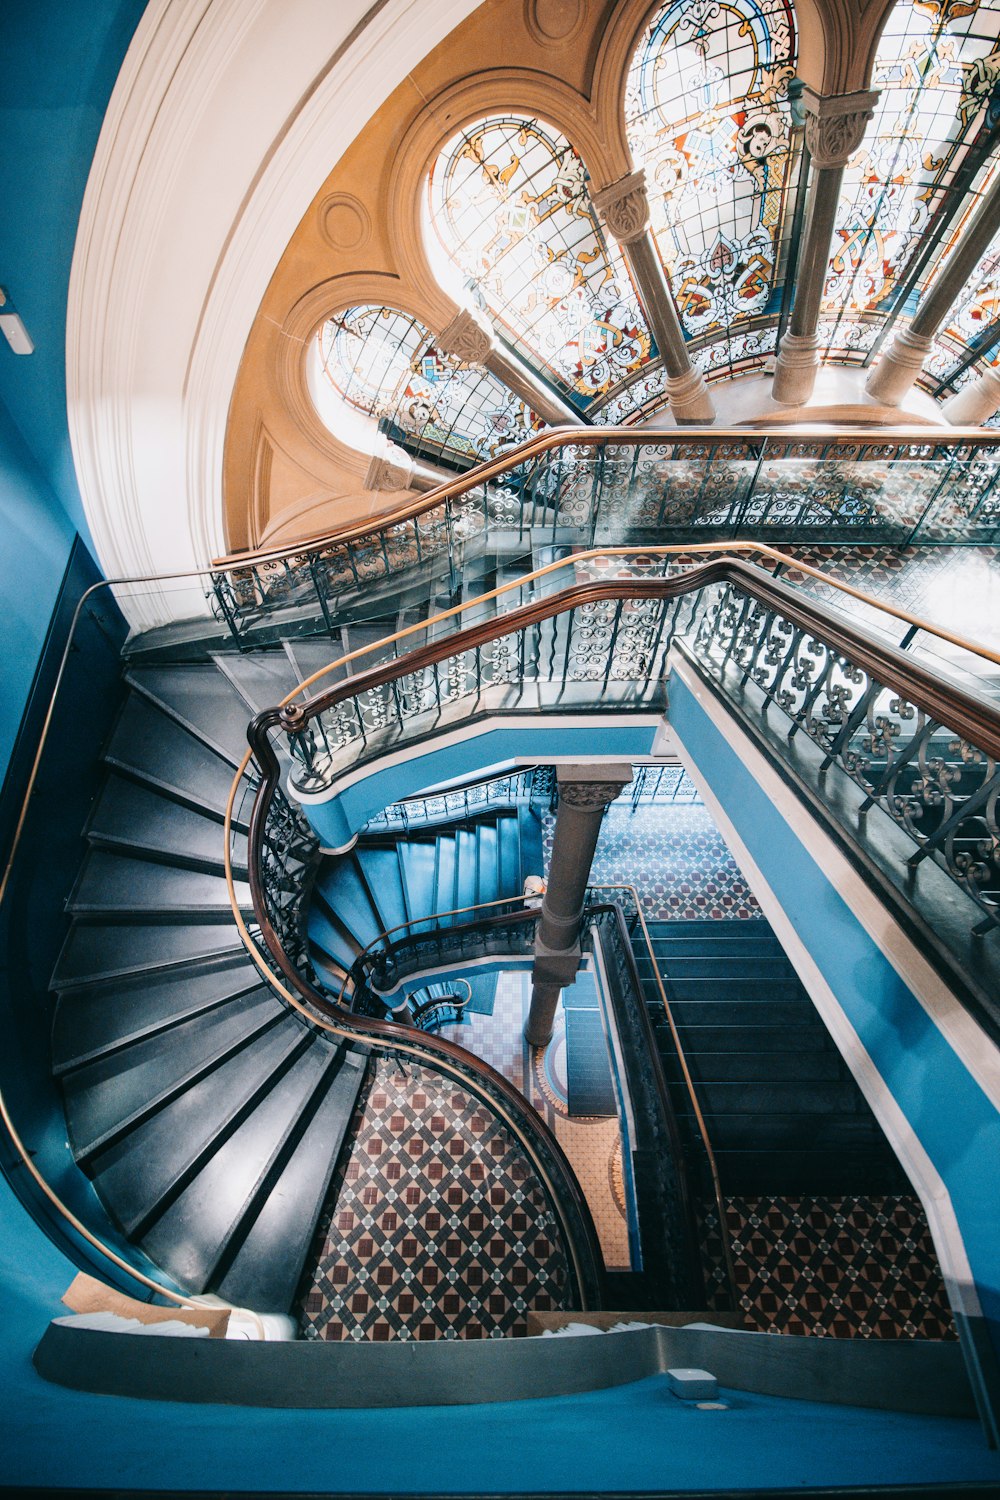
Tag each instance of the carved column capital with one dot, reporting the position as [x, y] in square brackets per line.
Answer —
[836, 123]
[624, 207]
[589, 796]
[391, 468]
[469, 337]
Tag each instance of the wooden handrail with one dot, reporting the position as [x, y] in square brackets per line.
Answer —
[946, 702]
[611, 437]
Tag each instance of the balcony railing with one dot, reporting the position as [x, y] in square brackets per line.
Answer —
[612, 486]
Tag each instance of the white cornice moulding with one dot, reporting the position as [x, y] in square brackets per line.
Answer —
[219, 133]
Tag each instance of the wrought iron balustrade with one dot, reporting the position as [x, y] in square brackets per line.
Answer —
[922, 751]
[533, 784]
[614, 486]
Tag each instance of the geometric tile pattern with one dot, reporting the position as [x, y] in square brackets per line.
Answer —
[846, 1267]
[435, 1225]
[592, 1146]
[674, 854]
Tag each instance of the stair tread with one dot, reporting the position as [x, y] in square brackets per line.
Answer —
[100, 952]
[119, 884]
[260, 678]
[380, 868]
[191, 1236]
[265, 1272]
[99, 1018]
[129, 816]
[152, 746]
[110, 1092]
[344, 891]
[136, 1172]
[203, 699]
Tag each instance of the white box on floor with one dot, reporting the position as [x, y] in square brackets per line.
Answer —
[693, 1385]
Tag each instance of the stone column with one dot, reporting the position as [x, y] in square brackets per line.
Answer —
[902, 362]
[624, 210]
[392, 468]
[471, 339]
[835, 127]
[976, 402]
[584, 793]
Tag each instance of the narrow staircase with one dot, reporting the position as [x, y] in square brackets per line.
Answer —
[208, 1115]
[782, 1110]
[384, 883]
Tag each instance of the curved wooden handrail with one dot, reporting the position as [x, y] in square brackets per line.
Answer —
[610, 437]
[950, 704]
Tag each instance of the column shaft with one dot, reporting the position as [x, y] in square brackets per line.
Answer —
[584, 793]
[976, 402]
[835, 126]
[624, 210]
[902, 362]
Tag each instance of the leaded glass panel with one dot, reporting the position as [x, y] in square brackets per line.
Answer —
[708, 116]
[938, 68]
[385, 363]
[508, 200]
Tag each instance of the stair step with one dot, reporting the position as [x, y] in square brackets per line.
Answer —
[589, 1087]
[265, 1272]
[509, 843]
[764, 1041]
[680, 969]
[711, 1068]
[116, 885]
[488, 863]
[445, 874]
[717, 945]
[202, 699]
[778, 1097]
[101, 1018]
[260, 678]
[466, 871]
[112, 1094]
[96, 952]
[331, 936]
[824, 1171]
[380, 869]
[417, 861]
[141, 1171]
[726, 1012]
[133, 819]
[191, 1237]
[149, 746]
[733, 988]
[344, 891]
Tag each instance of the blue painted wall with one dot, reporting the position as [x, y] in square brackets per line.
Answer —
[954, 1120]
[60, 62]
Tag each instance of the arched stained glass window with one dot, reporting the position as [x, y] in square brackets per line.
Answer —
[919, 172]
[708, 116]
[508, 201]
[385, 364]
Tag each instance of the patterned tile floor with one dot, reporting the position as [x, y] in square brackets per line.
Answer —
[674, 854]
[839, 1267]
[593, 1146]
[436, 1226]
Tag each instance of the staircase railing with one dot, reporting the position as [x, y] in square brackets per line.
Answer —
[506, 928]
[584, 486]
[277, 835]
[459, 804]
[605, 648]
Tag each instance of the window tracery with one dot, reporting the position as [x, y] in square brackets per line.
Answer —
[385, 364]
[508, 199]
[707, 113]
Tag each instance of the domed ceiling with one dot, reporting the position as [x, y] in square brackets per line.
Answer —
[568, 202]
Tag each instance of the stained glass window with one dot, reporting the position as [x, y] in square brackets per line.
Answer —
[385, 363]
[974, 321]
[708, 116]
[508, 200]
[938, 68]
